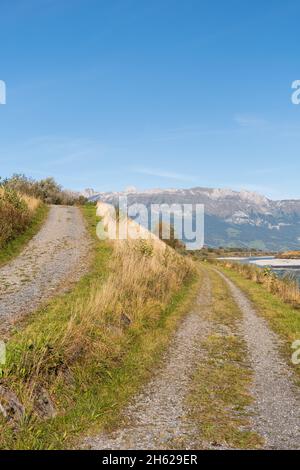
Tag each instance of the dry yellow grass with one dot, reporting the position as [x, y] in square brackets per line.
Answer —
[140, 284]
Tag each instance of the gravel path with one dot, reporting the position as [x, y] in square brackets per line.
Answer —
[55, 257]
[277, 401]
[157, 418]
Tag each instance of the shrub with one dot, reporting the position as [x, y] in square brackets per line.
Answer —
[96, 325]
[171, 239]
[16, 213]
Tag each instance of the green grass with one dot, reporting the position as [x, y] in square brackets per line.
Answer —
[98, 387]
[15, 246]
[220, 396]
[281, 316]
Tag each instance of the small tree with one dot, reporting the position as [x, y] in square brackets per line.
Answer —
[172, 240]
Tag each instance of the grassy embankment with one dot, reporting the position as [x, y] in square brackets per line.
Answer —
[90, 350]
[220, 397]
[21, 217]
[278, 301]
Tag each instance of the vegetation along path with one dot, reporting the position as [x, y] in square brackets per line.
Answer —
[56, 256]
[276, 412]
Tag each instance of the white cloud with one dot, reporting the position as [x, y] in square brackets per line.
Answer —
[163, 174]
[249, 120]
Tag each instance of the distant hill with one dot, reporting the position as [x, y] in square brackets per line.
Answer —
[232, 218]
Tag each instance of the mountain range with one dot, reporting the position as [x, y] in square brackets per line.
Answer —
[232, 218]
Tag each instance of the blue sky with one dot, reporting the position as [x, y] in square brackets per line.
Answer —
[160, 93]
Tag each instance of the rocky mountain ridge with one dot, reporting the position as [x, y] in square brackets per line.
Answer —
[232, 218]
